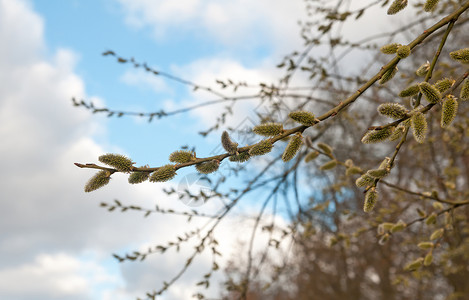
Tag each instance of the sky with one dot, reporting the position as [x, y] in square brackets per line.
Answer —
[55, 241]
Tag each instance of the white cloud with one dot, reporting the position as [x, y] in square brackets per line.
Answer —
[239, 23]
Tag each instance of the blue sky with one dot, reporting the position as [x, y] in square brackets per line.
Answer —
[55, 241]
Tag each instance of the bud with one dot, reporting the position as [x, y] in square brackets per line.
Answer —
[437, 234]
[435, 204]
[414, 265]
[378, 173]
[449, 111]
[390, 48]
[364, 180]
[99, 180]
[181, 156]
[376, 136]
[371, 197]
[444, 84]
[425, 245]
[325, 148]
[303, 117]
[403, 51]
[410, 91]
[117, 161]
[261, 148]
[230, 146]
[462, 55]
[423, 69]
[388, 75]
[268, 129]
[397, 6]
[392, 110]
[208, 167]
[292, 147]
[419, 127]
[241, 157]
[138, 177]
[387, 226]
[430, 5]
[431, 219]
[430, 92]
[329, 165]
[399, 226]
[163, 174]
[428, 259]
[464, 95]
[312, 155]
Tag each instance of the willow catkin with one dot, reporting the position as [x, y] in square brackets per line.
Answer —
[261, 148]
[430, 92]
[138, 177]
[444, 84]
[461, 55]
[392, 110]
[376, 136]
[464, 94]
[292, 148]
[388, 75]
[403, 51]
[99, 180]
[418, 122]
[390, 48]
[303, 117]
[430, 5]
[449, 110]
[371, 197]
[119, 162]
[181, 156]
[230, 146]
[397, 6]
[410, 91]
[208, 167]
[163, 174]
[268, 129]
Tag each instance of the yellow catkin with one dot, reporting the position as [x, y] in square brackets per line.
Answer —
[449, 111]
[303, 117]
[430, 92]
[423, 69]
[419, 127]
[268, 129]
[461, 55]
[117, 161]
[371, 197]
[292, 148]
[388, 75]
[403, 51]
[430, 5]
[181, 156]
[377, 136]
[444, 84]
[261, 148]
[138, 177]
[397, 6]
[364, 180]
[163, 174]
[410, 91]
[390, 48]
[392, 110]
[99, 180]
[230, 146]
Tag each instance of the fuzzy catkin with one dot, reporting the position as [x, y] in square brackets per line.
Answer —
[449, 111]
[392, 110]
[461, 55]
[303, 117]
[430, 92]
[119, 162]
[376, 136]
[163, 174]
[444, 84]
[464, 94]
[397, 6]
[230, 146]
[181, 156]
[371, 197]
[268, 129]
[292, 148]
[390, 48]
[138, 177]
[430, 5]
[261, 148]
[418, 123]
[388, 75]
[99, 180]
[410, 91]
[208, 167]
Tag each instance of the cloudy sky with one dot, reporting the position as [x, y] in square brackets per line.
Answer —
[55, 241]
